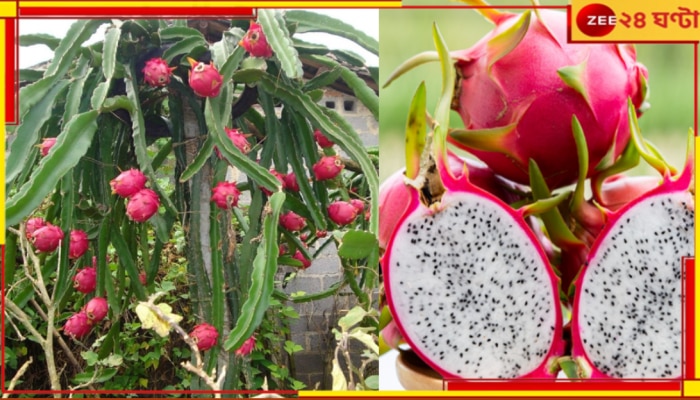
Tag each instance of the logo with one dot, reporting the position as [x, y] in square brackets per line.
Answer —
[596, 20]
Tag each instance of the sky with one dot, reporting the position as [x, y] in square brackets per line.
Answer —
[366, 20]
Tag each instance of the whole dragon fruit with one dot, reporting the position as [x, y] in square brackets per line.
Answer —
[205, 336]
[142, 205]
[292, 221]
[322, 140]
[96, 309]
[342, 212]
[205, 80]
[290, 182]
[521, 84]
[328, 167]
[46, 146]
[128, 182]
[627, 320]
[47, 239]
[78, 244]
[156, 72]
[77, 325]
[467, 282]
[246, 348]
[255, 42]
[225, 195]
[85, 280]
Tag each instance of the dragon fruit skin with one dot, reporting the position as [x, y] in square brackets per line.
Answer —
[609, 298]
[47, 239]
[280, 179]
[255, 42]
[292, 221]
[290, 182]
[518, 90]
[128, 182]
[246, 348]
[342, 212]
[205, 336]
[328, 167]
[78, 244]
[142, 205]
[77, 325]
[156, 72]
[238, 138]
[204, 79]
[96, 309]
[225, 195]
[322, 140]
[85, 280]
[32, 225]
[46, 146]
[299, 256]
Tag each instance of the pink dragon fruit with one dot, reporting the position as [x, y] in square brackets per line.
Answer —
[467, 282]
[205, 80]
[504, 96]
[342, 212]
[358, 204]
[205, 336]
[619, 190]
[321, 233]
[46, 146]
[322, 140]
[142, 205]
[239, 140]
[225, 195]
[142, 277]
[47, 238]
[328, 167]
[280, 179]
[96, 309]
[156, 72]
[299, 256]
[85, 280]
[128, 182]
[246, 348]
[77, 325]
[292, 221]
[627, 320]
[78, 244]
[32, 225]
[290, 182]
[255, 42]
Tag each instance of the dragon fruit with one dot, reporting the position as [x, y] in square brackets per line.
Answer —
[142, 205]
[626, 320]
[205, 336]
[205, 80]
[299, 256]
[255, 42]
[128, 182]
[225, 195]
[466, 280]
[96, 309]
[46, 146]
[77, 325]
[78, 244]
[156, 72]
[322, 140]
[328, 167]
[292, 221]
[342, 212]
[239, 140]
[47, 239]
[246, 348]
[358, 204]
[619, 190]
[519, 73]
[85, 280]
[280, 179]
[32, 225]
[290, 182]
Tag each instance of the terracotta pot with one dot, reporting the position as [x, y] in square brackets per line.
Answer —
[414, 374]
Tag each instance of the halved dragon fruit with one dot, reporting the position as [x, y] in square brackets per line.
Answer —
[467, 282]
[627, 308]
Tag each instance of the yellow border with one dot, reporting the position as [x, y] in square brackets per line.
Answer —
[3, 68]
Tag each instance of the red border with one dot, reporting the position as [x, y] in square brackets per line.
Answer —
[689, 318]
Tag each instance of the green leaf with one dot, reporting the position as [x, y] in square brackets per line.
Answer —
[39, 38]
[199, 160]
[263, 278]
[28, 132]
[103, 375]
[307, 21]
[30, 75]
[109, 55]
[71, 145]
[357, 245]
[183, 47]
[372, 382]
[71, 44]
[278, 38]
[352, 318]
[416, 132]
[323, 79]
[99, 95]
[126, 259]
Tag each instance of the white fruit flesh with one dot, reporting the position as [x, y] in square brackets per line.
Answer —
[629, 310]
[471, 290]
